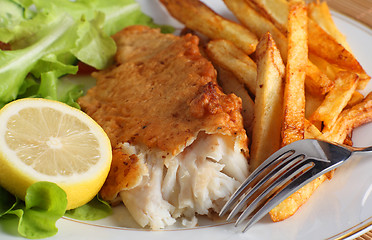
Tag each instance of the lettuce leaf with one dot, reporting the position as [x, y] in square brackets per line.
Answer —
[94, 210]
[118, 14]
[15, 65]
[44, 204]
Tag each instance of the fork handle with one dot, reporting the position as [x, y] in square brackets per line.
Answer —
[361, 150]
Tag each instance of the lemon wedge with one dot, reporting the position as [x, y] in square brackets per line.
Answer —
[46, 140]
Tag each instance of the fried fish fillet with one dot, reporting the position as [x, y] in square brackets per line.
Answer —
[179, 146]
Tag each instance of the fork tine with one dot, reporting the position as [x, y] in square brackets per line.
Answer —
[281, 181]
[272, 160]
[283, 166]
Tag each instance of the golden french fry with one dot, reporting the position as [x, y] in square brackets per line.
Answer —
[348, 141]
[325, 67]
[336, 99]
[312, 102]
[326, 47]
[363, 80]
[291, 204]
[311, 131]
[319, 12]
[199, 17]
[350, 119]
[293, 127]
[316, 81]
[258, 24]
[276, 11]
[294, 90]
[268, 101]
[331, 70]
[232, 58]
[230, 84]
[355, 99]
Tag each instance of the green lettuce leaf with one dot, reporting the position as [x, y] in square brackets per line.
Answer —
[90, 37]
[44, 204]
[94, 210]
[118, 14]
[16, 64]
[41, 58]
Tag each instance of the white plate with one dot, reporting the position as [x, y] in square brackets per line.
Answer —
[338, 207]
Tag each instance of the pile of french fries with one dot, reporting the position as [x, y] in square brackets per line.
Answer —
[293, 69]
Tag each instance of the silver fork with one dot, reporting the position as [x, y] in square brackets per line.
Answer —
[282, 174]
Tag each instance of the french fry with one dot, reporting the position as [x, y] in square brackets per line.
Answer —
[276, 11]
[363, 80]
[230, 84]
[294, 90]
[355, 99]
[293, 127]
[232, 58]
[311, 131]
[331, 70]
[268, 101]
[312, 103]
[199, 17]
[350, 119]
[291, 204]
[316, 81]
[326, 47]
[324, 66]
[257, 23]
[336, 99]
[348, 141]
[319, 12]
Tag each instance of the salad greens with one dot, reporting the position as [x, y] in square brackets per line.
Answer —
[44, 204]
[37, 215]
[47, 39]
[94, 210]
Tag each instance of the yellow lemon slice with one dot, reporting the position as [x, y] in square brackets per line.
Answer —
[45, 140]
